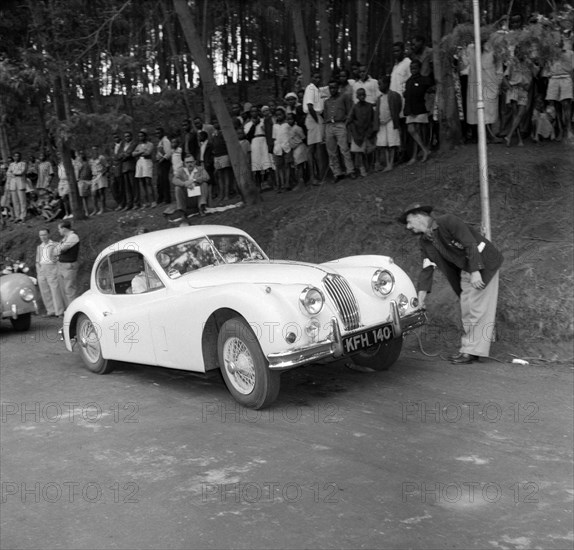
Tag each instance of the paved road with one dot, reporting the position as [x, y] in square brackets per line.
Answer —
[428, 455]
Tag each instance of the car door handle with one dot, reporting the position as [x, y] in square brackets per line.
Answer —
[107, 313]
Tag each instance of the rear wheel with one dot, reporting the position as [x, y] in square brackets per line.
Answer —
[22, 323]
[380, 357]
[244, 367]
[90, 349]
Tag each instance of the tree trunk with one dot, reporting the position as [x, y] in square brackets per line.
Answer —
[362, 32]
[449, 123]
[325, 31]
[301, 41]
[396, 20]
[237, 157]
[168, 27]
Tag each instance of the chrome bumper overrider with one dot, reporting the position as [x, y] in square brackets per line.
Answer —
[333, 346]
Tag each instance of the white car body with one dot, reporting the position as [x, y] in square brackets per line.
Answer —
[176, 325]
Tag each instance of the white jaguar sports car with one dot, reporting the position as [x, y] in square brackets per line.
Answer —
[207, 297]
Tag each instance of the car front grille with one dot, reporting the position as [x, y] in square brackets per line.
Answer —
[341, 293]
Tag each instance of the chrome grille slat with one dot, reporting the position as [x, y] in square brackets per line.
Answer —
[344, 299]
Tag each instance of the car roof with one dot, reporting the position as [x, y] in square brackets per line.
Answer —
[156, 240]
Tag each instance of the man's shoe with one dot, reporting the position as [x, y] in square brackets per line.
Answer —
[352, 175]
[339, 178]
[454, 356]
[464, 359]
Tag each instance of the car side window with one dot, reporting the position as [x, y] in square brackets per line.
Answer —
[104, 277]
[126, 272]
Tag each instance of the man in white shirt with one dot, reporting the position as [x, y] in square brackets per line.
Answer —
[47, 270]
[400, 74]
[313, 104]
[370, 85]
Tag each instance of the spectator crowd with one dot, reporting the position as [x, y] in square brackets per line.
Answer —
[351, 126]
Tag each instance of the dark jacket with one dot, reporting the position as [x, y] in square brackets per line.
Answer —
[415, 90]
[125, 154]
[462, 244]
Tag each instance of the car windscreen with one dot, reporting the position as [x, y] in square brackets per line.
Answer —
[182, 258]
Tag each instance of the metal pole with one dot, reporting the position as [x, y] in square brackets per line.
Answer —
[482, 159]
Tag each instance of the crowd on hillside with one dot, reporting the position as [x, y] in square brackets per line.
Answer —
[347, 127]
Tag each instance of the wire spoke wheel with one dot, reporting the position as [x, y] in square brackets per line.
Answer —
[238, 363]
[244, 368]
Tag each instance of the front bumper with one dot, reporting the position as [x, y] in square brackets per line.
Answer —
[14, 310]
[332, 347]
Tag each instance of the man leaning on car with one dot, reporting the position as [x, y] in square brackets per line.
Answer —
[67, 253]
[471, 264]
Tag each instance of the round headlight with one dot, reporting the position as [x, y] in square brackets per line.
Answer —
[26, 294]
[382, 282]
[312, 300]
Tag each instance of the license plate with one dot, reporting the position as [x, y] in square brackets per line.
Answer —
[368, 338]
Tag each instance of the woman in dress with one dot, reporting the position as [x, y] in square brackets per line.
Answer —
[144, 169]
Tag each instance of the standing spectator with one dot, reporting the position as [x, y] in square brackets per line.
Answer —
[245, 146]
[387, 121]
[491, 79]
[246, 116]
[99, 166]
[281, 150]
[370, 85]
[345, 85]
[206, 160]
[338, 107]
[32, 172]
[163, 163]
[143, 152]
[471, 264]
[189, 143]
[422, 53]
[200, 126]
[117, 187]
[85, 183]
[560, 90]
[299, 148]
[294, 107]
[222, 164]
[67, 252]
[131, 188]
[236, 115]
[400, 74]
[45, 172]
[415, 109]
[360, 125]
[517, 80]
[401, 69]
[260, 159]
[47, 271]
[268, 121]
[17, 181]
[64, 188]
[313, 106]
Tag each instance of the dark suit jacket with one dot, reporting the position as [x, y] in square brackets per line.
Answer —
[462, 243]
[125, 153]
